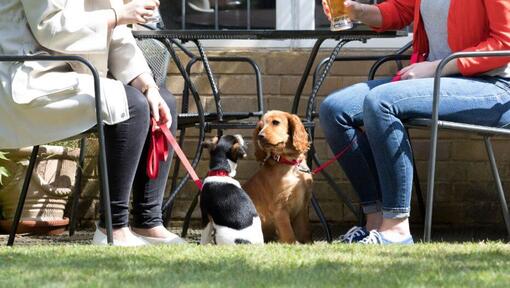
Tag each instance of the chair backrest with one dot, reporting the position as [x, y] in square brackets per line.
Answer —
[157, 57]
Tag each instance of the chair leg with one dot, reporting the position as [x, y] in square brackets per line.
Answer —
[501, 193]
[430, 184]
[105, 186]
[23, 195]
[77, 193]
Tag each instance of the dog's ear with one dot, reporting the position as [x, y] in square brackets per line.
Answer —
[298, 134]
[211, 143]
[260, 154]
[240, 147]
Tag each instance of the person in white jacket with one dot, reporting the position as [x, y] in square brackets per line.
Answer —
[41, 102]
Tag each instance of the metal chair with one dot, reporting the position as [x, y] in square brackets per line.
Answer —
[33, 158]
[158, 59]
[485, 131]
[434, 124]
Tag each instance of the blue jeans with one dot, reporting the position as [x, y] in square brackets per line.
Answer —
[379, 165]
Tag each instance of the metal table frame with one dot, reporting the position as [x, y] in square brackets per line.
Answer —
[219, 119]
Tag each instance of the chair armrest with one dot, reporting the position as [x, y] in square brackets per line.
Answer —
[238, 59]
[439, 72]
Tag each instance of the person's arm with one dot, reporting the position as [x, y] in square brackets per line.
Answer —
[127, 64]
[426, 69]
[368, 14]
[395, 14]
[67, 31]
[499, 39]
[392, 14]
[59, 26]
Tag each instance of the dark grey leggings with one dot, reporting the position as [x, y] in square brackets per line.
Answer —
[127, 146]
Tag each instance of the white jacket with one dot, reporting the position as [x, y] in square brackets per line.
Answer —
[42, 102]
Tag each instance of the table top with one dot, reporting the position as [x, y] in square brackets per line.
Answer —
[359, 32]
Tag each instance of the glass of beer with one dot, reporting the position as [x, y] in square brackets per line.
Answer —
[339, 19]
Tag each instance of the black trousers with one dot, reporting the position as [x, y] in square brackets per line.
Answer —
[127, 145]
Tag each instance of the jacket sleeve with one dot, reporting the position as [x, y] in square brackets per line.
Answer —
[125, 60]
[64, 26]
[396, 14]
[498, 12]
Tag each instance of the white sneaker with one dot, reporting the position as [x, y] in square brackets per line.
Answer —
[130, 241]
[173, 239]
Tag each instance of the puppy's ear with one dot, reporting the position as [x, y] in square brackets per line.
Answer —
[240, 147]
[260, 154]
[298, 134]
[211, 143]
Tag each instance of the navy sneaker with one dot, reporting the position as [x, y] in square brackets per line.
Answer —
[377, 238]
[355, 234]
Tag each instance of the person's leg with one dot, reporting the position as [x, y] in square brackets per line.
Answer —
[474, 101]
[124, 143]
[341, 116]
[148, 193]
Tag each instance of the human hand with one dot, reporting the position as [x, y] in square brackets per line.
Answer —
[136, 11]
[325, 8]
[354, 9]
[418, 70]
[159, 108]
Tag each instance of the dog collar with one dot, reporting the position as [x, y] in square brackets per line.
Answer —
[218, 173]
[283, 160]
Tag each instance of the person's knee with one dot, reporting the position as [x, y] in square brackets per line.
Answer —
[337, 111]
[327, 112]
[374, 103]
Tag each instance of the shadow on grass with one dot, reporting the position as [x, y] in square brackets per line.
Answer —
[282, 266]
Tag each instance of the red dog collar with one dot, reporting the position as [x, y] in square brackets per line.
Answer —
[283, 160]
[218, 173]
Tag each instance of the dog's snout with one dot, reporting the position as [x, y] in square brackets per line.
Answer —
[261, 136]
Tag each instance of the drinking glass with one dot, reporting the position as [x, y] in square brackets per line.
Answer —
[339, 18]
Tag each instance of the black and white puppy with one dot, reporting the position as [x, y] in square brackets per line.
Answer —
[228, 212]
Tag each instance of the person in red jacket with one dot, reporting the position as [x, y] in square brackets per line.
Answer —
[474, 91]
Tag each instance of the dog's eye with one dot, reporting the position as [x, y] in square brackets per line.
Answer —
[276, 122]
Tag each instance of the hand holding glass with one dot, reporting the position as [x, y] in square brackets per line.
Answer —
[154, 18]
[339, 18]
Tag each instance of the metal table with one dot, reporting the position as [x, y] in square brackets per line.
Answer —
[220, 120]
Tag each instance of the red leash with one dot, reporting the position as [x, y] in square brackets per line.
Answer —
[335, 158]
[158, 150]
[283, 160]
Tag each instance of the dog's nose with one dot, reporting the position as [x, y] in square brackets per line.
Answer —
[261, 136]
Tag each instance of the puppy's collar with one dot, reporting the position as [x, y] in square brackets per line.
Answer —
[282, 160]
[218, 173]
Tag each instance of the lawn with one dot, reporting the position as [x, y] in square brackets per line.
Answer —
[319, 265]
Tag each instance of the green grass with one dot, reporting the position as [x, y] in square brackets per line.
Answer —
[319, 265]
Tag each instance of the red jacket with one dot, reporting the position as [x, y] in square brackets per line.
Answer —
[473, 25]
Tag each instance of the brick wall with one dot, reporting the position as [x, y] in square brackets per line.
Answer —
[465, 190]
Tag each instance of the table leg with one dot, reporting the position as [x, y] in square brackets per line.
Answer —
[310, 118]
[210, 76]
[304, 77]
[200, 111]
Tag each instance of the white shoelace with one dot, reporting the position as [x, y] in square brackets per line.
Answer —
[354, 232]
[373, 237]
